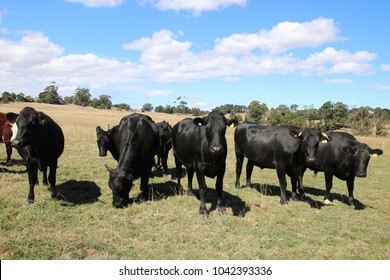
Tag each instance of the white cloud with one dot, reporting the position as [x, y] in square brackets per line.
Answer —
[196, 7]
[332, 61]
[339, 81]
[282, 37]
[160, 92]
[231, 79]
[161, 50]
[381, 87]
[3, 12]
[385, 67]
[34, 48]
[98, 3]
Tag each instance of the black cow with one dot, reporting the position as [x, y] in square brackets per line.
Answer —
[344, 157]
[200, 145]
[40, 141]
[165, 136]
[284, 148]
[137, 142]
[106, 142]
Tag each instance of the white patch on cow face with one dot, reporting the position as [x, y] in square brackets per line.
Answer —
[14, 131]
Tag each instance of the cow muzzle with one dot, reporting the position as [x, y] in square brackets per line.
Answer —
[311, 160]
[361, 174]
[216, 149]
[17, 143]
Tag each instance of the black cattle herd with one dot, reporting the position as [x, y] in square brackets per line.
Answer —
[197, 143]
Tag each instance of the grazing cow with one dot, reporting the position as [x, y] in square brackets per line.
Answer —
[136, 141]
[284, 148]
[344, 157]
[5, 135]
[106, 142]
[40, 142]
[165, 135]
[200, 145]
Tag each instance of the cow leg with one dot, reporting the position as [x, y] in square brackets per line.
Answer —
[249, 170]
[144, 186]
[179, 172]
[8, 148]
[328, 185]
[239, 162]
[32, 170]
[294, 195]
[282, 184]
[219, 190]
[202, 192]
[165, 164]
[52, 179]
[350, 185]
[44, 177]
[190, 175]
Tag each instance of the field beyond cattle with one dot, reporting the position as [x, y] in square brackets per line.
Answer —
[84, 225]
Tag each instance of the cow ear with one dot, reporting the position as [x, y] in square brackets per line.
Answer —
[232, 123]
[98, 130]
[376, 152]
[42, 118]
[296, 133]
[110, 169]
[325, 137]
[199, 121]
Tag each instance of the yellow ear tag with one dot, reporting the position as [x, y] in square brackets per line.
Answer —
[324, 141]
[374, 155]
[232, 125]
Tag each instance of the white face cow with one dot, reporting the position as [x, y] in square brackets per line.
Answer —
[14, 129]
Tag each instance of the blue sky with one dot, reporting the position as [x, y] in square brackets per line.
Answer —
[208, 52]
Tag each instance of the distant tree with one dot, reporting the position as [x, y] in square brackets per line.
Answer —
[50, 95]
[256, 111]
[82, 97]
[6, 97]
[122, 106]
[147, 107]
[105, 101]
[159, 109]
[68, 100]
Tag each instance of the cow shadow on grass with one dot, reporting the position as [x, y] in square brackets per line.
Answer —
[272, 190]
[159, 173]
[4, 166]
[75, 192]
[334, 196]
[238, 206]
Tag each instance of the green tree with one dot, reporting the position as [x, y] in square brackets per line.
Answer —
[82, 97]
[147, 107]
[105, 101]
[50, 95]
[256, 111]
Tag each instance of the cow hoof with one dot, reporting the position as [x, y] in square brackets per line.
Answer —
[296, 197]
[327, 202]
[203, 212]
[283, 202]
[190, 193]
[30, 201]
[221, 210]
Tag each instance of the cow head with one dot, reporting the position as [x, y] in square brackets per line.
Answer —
[120, 185]
[103, 141]
[28, 124]
[361, 154]
[310, 139]
[215, 127]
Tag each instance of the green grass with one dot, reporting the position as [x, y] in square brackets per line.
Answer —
[84, 225]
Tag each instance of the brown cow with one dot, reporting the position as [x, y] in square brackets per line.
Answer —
[6, 123]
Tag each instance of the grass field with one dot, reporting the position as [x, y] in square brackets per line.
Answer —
[84, 225]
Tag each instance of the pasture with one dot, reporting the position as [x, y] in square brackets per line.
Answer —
[84, 225]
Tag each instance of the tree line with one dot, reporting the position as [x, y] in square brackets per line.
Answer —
[365, 120]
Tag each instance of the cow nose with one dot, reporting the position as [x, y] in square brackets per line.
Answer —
[216, 149]
[361, 174]
[16, 143]
[311, 160]
[102, 154]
